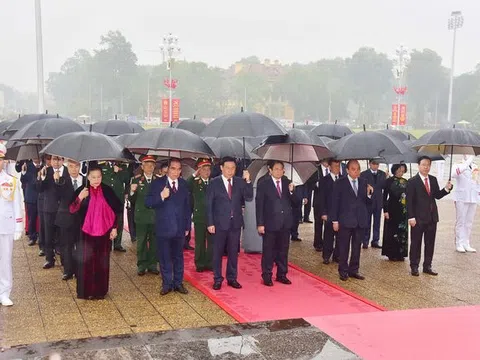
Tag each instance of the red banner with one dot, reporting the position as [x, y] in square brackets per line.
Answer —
[394, 114]
[402, 120]
[175, 110]
[165, 110]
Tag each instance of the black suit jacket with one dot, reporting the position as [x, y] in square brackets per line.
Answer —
[378, 186]
[220, 207]
[349, 210]
[326, 195]
[51, 195]
[421, 206]
[272, 211]
[64, 218]
[29, 183]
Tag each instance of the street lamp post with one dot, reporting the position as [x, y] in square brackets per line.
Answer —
[455, 22]
[400, 61]
[170, 49]
[39, 42]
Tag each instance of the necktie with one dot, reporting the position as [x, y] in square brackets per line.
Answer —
[75, 184]
[336, 177]
[355, 187]
[174, 188]
[427, 186]
[326, 172]
[206, 182]
[230, 188]
[278, 189]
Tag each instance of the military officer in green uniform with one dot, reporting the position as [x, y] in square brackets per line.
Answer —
[117, 177]
[198, 183]
[144, 218]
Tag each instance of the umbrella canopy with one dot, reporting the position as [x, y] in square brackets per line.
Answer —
[333, 131]
[409, 158]
[398, 134]
[87, 146]
[125, 139]
[449, 141]
[170, 142]
[116, 127]
[243, 124]
[230, 146]
[3, 126]
[367, 145]
[305, 127]
[296, 146]
[24, 120]
[24, 151]
[46, 129]
[194, 126]
[299, 175]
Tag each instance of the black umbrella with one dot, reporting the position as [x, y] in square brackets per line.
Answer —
[243, 124]
[170, 142]
[411, 157]
[398, 134]
[192, 125]
[367, 145]
[333, 131]
[46, 129]
[87, 146]
[304, 127]
[449, 141]
[116, 127]
[230, 146]
[125, 139]
[3, 126]
[24, 152]
[25, 120]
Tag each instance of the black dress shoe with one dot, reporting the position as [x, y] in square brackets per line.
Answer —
[188, 247]
[217, 286]
[133, 240]
[49, 265]
[296, 239]
[235, 284]
[165, 291]
[268, 282]
[376, 246]
[430, 272]
[41, 253]
[326, 261]
[415, 272]
[154, 271]
[120, 249]
[365, 246]
[308, 221]
[344, 277]
[336, 260]
[32, 242]
[284, 280]
[67, 277]
[140, 272]
[319, 249]
[181, 289]
[357, 276]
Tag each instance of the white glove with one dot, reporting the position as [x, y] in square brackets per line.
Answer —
[18, 235]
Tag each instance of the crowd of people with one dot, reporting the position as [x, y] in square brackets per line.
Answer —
[79, 218]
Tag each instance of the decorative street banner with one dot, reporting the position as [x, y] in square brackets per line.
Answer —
[175, 110]
[165, 110]
[394, 114]
[403, 115]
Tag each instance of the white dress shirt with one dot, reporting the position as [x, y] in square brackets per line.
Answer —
[279, 183]
[79, 179]
[60, 172]
[334, 177]
[225, 182]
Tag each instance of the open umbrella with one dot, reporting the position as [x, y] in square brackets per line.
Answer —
[192, 125]
[116, 127]
[46, 129]
[24, 120]
[449, 141]
[398, 134]
[125, 139]
[87, 146]
[230, 146]
[19, 150]
[3, 126]
[170, 142]
[367, 145]
[304, 127]
[333, 131]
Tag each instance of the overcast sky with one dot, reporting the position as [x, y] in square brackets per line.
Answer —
[220, 32]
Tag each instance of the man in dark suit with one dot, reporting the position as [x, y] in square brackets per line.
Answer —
[375, 178]
[170, 197]
[49, 177]
[325, 208]
[226, 195]
[350, 218]
[318, 229]
[273, 206]
[68, 223]
[47, 162]
[422, 212]
[301, 193]
[29, 172]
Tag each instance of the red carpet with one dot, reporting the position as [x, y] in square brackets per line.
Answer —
[443, 333]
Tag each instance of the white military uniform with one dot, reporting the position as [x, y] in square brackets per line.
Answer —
[466, 196]
[11, 219]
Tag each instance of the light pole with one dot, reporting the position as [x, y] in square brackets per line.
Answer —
[455, 22]
[39, 41]
[401, 60]
[170, 49]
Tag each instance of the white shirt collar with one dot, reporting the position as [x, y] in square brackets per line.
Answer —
[333, 176]
[374, 171]
[170, 181]
[205, 180]
[60, 170]
[423, 177]
[275, 182]
[79, 179]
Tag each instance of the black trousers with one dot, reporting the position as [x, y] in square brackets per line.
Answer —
[307, 208]
[68, 242]
[32, 211]
[41, 230]
[297, 217]
[318, 232]
[50, 231]
[349, 242]
[330, 242]
[428, 233]
[132, 229]
[231, 239]
[275, 249]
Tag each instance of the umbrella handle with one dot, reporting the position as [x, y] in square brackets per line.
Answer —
[244, 155]
[451, 164]
[291, 166]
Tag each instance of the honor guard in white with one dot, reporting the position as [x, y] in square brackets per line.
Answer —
[11, 219]
[466, 196]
